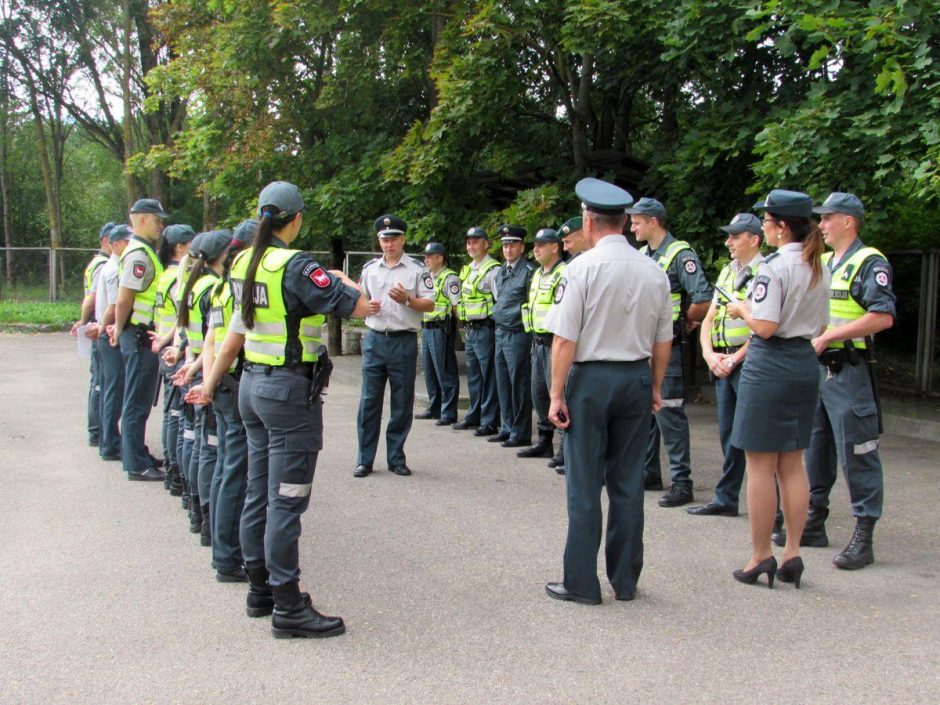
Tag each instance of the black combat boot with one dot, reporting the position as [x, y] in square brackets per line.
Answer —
[541, 449]
[166, 473]
[195, 515]
[814, 533]
[558, 458]
[859, 552]
[205, 533]
[185, 495]
[260, 602]
[176, 482]
[779, 536]
[294, 615]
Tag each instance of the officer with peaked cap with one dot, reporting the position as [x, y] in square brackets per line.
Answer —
[846, 425]
[612, 322]
[513, 343]
[691, 296]
[399, 290]
[475, 311]
[439, 339]
[724, 341]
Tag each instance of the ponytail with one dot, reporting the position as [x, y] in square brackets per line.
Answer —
[807, 232]
[197, 270]
[165, 252]
[271, 220]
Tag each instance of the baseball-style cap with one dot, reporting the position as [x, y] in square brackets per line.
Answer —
[435, 248]
[244, 232]
[793, 204]
[105, 229]
[149, 205]
[282, 195]
[547, 236]
[838, 202]
[389, 226]
[511, 233]
[743, 222]
[210, 245]
[602, 197]
[649, 207]
[476, 232]
[178, 234]
[572, 225]
[119, 232]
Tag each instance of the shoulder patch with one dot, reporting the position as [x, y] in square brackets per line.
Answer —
[311, 266]
[560, 289]
[318, 276]
[454, 288]
[882, 276]
[760, 288]
[139, 270]
[427, 280]
[690, 266]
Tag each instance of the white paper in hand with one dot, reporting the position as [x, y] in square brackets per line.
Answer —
[84, 342]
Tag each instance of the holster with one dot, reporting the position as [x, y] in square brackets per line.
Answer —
[321, 376]
[833, 360]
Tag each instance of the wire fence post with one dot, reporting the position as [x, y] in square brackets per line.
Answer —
[927, 321]
[53, 290]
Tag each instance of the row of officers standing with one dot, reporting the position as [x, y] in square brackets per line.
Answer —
[244, 367]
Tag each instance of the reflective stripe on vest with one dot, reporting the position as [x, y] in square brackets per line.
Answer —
[442, 304]
[842, 307]
[665, 261]
[266, 342]
[194, 333]
[90, 269]
[729, 332]
[142, 313]
[221, 315]
[541, 298]
[164, 304]
[475, 305]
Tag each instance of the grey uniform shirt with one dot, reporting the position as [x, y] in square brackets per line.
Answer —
[451, 289]
[377, 280]
[137, 270]
[871, 287]
[783, 293]
[487, 284]
[107, 288]
[613, 302]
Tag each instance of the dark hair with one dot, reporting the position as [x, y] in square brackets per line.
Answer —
[166, 251]
[272, 219]
[807, 232]
[197, 269]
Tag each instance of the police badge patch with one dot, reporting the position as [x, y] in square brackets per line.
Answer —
[428, 282]
[690, 266]
[139, 270]
[760, 289]
[455, 288]
[560, 289]
[882, 278]
[320, 278]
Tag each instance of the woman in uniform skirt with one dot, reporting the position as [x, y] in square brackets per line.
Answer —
[788, 306]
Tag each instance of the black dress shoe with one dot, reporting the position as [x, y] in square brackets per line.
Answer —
[712, 509]
[93, 442]
[676, 496]
[445, 422]
[498, 438]
[148, 475]
[560, 469]
[557, 591]
[483, 431]
[111, 456]
[629, 597]
[425, 415]
[402, 470]
[652, 483]
[509, 443]
[232, 576]
[465, 425]
[362, 470]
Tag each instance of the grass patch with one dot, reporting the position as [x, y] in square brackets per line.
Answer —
[39, 312]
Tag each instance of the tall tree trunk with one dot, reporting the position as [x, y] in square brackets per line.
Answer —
[130, 182]
[210, 211]
[4, 169]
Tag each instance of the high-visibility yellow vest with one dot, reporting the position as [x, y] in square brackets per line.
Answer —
[665, 260]
[165, 304]
[541, 298]
[143, 311]
[475, 305]
[223, 303]
[729, 332]
[194, 326]
[89, 276]
[842, 307]
[442, 305]
[266, 342]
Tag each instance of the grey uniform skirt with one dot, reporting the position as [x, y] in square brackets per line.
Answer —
[777, 395]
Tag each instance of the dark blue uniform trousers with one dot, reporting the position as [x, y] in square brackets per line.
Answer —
[172, 410]
[440, 370]
[609, 405]
[673, 424]
[94, 394]
[514, 383]
[285, 434]
[112, 397]
[541, 386]
[845, 430]
[141, 376]
[227, 496]
[207, 440]
[728, 488]
[393, 359]
[480, 347]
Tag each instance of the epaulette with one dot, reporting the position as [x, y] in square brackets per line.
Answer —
[371, 261]
[769, 257]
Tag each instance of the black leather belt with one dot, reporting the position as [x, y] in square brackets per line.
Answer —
[542, 338]
[482, 323]
[730, 350]
[434, 324]
[393, 333]
[304, 369]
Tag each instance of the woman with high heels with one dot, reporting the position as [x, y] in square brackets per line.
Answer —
[788, 306]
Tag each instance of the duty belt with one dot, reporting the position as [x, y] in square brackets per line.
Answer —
[482, 323]
[392, 333]
[304, 369]
[434, 324]
[542, 338]
[729, 350]
[835, 359]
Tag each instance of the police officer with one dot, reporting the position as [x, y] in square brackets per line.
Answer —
[613, 330]
[724, 343]
[112, 364]
[134, 319]
[283, 295]
[691, 296]
[439, 337]
[399, 291]
[513, 344]
[475, 311]
[547, 251]
[90, 288]
[846, 426]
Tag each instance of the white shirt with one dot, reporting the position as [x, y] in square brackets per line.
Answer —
[107, 288]
[377, 280]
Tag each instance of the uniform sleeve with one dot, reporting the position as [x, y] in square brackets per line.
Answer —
[95, 278]
[766, 295]
[488, 282]
[205, 309]
[137, 271]
[111, 287]
[310, 289]
[565, 316]
[664, 327]
[424, 285]
[236, 324]
[452, 289]
[872, 287]
[691, 276]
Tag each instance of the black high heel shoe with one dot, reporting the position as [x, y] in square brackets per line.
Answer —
[768, 565]
[791, 571]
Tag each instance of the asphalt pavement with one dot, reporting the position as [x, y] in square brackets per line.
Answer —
[107, 597]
